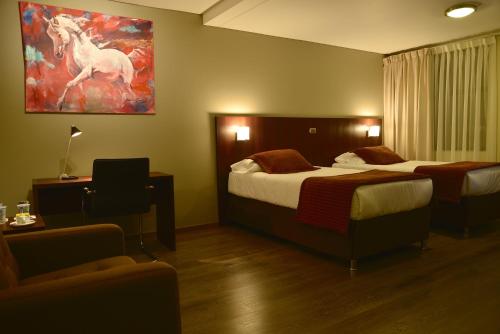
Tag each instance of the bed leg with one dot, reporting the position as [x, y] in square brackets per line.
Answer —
[466, 233]
[424, 244]
[353, 265]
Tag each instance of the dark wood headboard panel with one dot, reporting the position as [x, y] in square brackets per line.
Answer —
[333, 137]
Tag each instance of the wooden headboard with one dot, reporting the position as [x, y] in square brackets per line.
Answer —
[333, 136]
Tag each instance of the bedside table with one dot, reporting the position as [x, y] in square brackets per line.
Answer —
[37, 226]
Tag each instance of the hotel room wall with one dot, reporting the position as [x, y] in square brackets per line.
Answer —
[498, 98]
[199, 71]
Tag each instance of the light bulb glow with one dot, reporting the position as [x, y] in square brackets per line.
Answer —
[461, 10]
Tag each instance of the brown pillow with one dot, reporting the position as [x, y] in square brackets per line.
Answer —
[378, 155]
[282, 161]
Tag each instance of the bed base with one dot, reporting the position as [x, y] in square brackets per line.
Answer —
[470, 212]
[365, 237]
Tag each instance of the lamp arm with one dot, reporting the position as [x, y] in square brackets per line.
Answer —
[66, 157]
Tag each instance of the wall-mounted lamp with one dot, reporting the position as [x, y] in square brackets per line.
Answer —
[74, 132]
[373, 131]
[242, 133]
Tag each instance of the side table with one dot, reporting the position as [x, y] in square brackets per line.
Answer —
[37, 226]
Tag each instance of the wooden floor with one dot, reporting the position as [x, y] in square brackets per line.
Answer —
[235, 281]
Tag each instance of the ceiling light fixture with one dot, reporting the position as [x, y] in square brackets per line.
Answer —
[462, 10]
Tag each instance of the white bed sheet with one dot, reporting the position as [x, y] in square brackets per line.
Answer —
[368, 201]
[477, 182]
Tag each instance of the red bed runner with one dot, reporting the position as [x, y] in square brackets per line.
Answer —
[448, 179]
[326, 201]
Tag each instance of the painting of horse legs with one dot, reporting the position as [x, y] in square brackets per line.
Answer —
[78, 61]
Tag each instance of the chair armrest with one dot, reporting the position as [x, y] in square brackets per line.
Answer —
[139, 298]
[44, 251]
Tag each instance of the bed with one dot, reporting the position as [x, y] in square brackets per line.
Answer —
[242, 195]
[479, 194]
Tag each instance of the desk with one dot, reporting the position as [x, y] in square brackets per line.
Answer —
[54, 196]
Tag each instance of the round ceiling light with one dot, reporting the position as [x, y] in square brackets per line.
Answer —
[462, 10]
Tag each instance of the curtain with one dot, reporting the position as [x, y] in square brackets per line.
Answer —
[440, 103]
[465, 100]
[408, 117]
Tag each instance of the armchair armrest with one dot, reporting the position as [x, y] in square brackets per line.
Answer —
[44, 251]
[140, 298]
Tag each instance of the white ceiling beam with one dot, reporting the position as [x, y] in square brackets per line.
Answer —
[226, 10]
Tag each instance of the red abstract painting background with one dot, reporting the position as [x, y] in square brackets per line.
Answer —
[47, 75]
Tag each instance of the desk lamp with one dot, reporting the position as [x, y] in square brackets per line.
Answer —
[75, 132]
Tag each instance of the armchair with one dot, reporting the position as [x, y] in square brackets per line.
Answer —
[77, 280]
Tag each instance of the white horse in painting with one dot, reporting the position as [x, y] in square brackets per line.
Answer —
[85, 59]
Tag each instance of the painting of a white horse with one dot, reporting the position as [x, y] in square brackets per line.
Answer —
[103, 64]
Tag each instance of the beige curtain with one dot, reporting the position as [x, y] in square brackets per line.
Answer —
[408, 104]
[465, 100]
[440, 103]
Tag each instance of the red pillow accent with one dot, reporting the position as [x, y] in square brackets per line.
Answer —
[282, 161]
[378, 155]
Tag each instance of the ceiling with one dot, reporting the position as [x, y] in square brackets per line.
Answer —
[382, 26]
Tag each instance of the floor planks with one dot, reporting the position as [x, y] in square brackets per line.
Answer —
[233, 280]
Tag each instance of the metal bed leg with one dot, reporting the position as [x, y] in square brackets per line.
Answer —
[141, 243]
[353, 265]
[466, 233]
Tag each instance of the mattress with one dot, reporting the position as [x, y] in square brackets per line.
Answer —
[368, 201]
[477, 182]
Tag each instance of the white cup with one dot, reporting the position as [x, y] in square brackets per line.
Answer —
[22, 219]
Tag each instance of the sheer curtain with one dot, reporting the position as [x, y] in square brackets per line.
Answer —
[465, 100]
[408, 105]
[440, 103]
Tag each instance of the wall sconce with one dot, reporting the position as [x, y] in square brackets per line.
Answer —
[242, 133]
[373, 131]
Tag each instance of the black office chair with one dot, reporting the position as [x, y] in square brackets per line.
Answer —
[119, 187]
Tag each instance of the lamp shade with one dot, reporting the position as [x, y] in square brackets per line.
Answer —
[75, 132]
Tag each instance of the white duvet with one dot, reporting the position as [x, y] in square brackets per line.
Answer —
[477, 182]
[368, 201]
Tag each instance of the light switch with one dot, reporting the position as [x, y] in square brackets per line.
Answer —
[312, 131]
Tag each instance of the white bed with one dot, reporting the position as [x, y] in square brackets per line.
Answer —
[368, 201]
[477, 182]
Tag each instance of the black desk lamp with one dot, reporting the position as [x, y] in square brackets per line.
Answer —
[75, 132]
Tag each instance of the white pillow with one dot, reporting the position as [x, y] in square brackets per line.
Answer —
[246, 166]
[349, 158]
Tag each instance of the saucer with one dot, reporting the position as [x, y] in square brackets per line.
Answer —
[15, 224]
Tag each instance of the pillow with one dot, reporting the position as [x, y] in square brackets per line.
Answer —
[349, 158]
[282, 161]
[378, 155]
[245, 166]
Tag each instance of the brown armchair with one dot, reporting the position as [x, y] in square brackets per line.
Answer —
[77, 280]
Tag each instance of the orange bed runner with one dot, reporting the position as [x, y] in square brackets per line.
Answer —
[448, 179]
[326, 201]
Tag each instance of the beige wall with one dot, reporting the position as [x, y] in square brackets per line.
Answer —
[199, 70]
[498, 98]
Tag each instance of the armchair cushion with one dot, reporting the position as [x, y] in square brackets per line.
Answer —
[9, 270]
[40, 252]
[86, 268]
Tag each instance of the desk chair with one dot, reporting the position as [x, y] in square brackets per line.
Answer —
[119, 187]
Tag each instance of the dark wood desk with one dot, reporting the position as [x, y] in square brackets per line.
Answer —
[54, 196]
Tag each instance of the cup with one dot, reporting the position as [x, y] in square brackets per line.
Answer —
[23, 218]
[23, 207]
[3, 213]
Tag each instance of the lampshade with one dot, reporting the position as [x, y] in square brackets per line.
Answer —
[75, 132]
